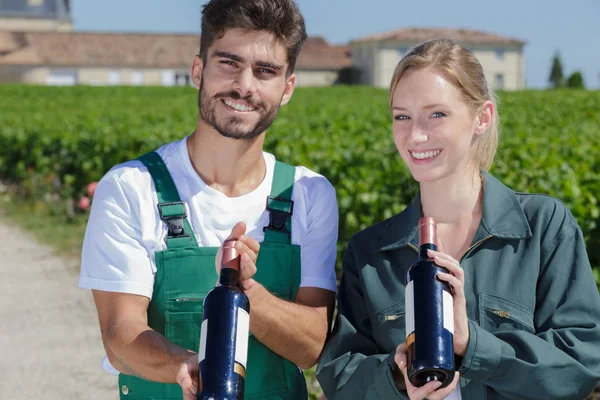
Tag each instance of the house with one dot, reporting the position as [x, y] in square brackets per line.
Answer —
[38, 46]
[376, 56]
[35, 15]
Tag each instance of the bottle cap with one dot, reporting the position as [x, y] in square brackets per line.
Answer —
[231, 257]
[427, 231]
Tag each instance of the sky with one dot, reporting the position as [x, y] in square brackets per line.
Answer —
[571, 28]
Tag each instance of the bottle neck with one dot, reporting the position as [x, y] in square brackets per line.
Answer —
[228, 277]
[423, 250]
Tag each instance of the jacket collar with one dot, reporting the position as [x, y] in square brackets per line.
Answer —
[503, 217]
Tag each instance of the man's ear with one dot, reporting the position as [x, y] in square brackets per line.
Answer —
[289, 89]
[196, 72]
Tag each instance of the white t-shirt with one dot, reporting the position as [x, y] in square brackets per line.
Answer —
[125, 230]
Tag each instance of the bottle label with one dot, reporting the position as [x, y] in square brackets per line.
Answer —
[203, 332]
[241, 340]
[448, 306]
[409, 304]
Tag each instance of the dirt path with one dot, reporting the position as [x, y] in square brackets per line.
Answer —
[50, 344]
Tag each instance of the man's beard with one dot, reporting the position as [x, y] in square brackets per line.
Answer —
[232, 126]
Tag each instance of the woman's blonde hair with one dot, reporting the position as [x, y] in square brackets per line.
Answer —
[462, 69]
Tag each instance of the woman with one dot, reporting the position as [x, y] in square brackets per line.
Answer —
[526, 307]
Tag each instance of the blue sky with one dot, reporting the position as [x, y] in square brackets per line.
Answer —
[573, 27]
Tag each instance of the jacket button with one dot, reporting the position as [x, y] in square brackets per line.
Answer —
[125, 390]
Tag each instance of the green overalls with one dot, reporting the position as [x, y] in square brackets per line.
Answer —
[186, 273]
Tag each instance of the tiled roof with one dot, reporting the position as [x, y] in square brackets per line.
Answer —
[83, 49]
[417, 35]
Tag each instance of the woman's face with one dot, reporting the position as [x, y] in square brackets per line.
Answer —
[434, 130]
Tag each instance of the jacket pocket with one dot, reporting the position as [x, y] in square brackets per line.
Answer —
[389, 326]
[497, 313]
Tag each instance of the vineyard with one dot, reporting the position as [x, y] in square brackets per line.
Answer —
[54, 142]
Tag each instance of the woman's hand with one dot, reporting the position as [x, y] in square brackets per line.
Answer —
[428, 391]
[456, 279]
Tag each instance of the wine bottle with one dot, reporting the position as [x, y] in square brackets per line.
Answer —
[429, 316]
[224, 334]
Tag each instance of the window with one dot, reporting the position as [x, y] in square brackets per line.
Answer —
[62, 78]
[167, 78]
[500, 54]
[499, 81]
[114, 77]
[137, 78]
[182, 79]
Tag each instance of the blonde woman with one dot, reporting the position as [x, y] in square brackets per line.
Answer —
[526, 307]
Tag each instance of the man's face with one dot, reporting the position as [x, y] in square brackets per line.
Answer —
[243, 83]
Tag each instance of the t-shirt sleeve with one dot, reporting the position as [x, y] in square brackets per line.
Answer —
[113, 256]
[319, 249]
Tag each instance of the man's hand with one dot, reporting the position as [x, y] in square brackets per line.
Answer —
[188, 378]
[248, 249]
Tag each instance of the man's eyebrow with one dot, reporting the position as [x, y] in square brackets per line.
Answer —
[269, 65]
[224, 54]
[265, 64]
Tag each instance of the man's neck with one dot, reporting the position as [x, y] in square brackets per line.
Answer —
[233, 167]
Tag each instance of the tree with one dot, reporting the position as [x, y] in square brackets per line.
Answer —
[575, 81]
[556, 78]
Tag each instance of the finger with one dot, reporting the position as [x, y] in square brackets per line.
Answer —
[188, 395]
[443, 256]
[400, 359]
[445, 392]
[251, 243]
[242, 248]
[238, 230]
[452, 280]
[248, 283]
[426, 390]
[247, 267]
[440, 253]
[449, 263]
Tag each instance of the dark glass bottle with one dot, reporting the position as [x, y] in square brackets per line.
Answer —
[429, 316]
[224, 335]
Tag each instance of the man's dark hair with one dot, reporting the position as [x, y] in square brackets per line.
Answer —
[280, 17]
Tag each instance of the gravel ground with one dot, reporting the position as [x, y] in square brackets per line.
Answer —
[50, 343]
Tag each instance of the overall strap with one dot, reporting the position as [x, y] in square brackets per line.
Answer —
[280, 205]
[170, 206]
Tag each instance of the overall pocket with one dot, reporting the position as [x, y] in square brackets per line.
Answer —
[183, 329]
[265, 373]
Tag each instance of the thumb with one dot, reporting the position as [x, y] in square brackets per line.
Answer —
[238, 230]
[186, 383]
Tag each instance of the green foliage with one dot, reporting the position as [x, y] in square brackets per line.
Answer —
[556, 78]
[575, 81]
[69, 137]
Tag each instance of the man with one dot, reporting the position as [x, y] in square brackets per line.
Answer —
[157, 223]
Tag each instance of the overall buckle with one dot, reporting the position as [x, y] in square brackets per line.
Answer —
[280, 210]
[173, 214]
